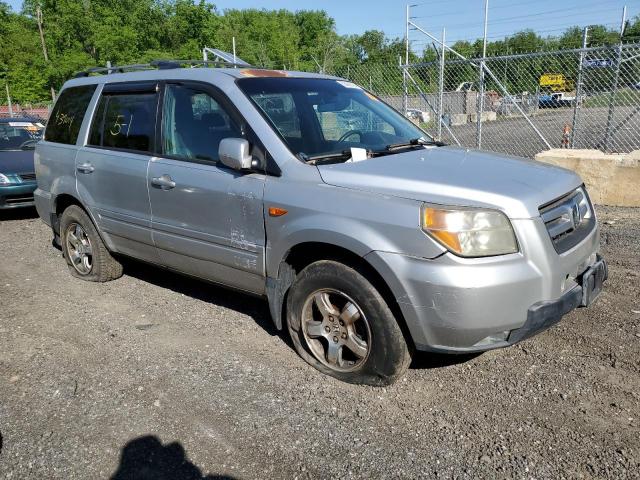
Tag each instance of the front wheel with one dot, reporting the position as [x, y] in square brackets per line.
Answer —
[340, 324]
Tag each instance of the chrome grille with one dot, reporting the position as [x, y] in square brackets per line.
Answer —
[568, 219]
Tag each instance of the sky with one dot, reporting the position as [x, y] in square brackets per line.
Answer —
[462, 19]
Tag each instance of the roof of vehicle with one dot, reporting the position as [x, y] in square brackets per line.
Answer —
[19, 119]
[210, 74]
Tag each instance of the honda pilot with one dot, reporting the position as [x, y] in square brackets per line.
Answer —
[369, 240]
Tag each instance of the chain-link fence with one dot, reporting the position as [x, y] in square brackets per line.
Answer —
[583, 98]
[38, 111]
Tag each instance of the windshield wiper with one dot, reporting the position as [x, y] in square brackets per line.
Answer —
[345, 155]
[414, 142]
[325, 157]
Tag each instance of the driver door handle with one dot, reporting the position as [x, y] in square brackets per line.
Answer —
[85, 168]
[164, 182]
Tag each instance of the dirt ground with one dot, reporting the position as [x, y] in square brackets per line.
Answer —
[156, 376]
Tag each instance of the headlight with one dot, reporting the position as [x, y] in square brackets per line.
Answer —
[4, 180]
[470, 232]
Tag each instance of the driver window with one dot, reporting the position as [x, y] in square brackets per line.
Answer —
[354, 118]
[194, 123]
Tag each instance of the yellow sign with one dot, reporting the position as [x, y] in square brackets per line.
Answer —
[555, 82]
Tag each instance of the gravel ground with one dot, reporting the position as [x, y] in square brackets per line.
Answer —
[156, 376]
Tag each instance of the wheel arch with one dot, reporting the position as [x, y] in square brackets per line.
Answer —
[305, 253]
[63, 201]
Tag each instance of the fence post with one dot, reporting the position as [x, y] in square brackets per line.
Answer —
[441, 86]
[614, 89]
[578, 102]
[480, 102]
[405, 88]
[612, 98]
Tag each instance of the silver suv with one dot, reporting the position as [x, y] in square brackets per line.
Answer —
[369, 240]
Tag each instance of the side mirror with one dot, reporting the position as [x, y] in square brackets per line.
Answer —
[234, 153]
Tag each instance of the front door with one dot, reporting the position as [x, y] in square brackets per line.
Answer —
[207, 219]
[111, 169]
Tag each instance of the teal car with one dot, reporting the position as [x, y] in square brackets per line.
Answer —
[18, 138]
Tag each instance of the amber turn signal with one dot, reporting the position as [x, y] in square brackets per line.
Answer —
[277, 212]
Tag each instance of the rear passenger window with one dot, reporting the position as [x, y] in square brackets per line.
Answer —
[66, 118]
[125, 121]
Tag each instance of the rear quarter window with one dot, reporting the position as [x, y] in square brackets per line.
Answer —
[68, 113]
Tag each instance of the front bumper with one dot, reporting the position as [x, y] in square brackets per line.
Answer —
[17, 196]
[543, 315]
[458, 305]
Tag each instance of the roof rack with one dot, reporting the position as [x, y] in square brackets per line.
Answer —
[159, 65]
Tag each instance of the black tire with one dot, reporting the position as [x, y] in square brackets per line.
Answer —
[388, 355]
[101, 267]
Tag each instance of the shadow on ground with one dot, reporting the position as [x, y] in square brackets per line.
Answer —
[254, 307]
[18, 214]
[145, 458]
[427, 360]
[246, 304]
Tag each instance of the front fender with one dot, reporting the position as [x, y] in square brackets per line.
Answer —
[320, 229]
[355, 220]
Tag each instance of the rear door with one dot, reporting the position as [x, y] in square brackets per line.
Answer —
[112, 167]
[207, 219]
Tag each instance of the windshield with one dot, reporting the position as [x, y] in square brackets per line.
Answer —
[20, 135]
[318, 117]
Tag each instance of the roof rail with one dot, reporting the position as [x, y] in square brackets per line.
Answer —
[158, 64]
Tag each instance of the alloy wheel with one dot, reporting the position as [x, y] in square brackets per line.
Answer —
[336, 330]
[79, 249]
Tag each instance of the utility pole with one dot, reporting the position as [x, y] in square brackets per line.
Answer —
[481, 86]
[614, 89]
[441, 84]
[233, 41]
[9, 100]
[578, 103]
[405, 92]
[44, 45]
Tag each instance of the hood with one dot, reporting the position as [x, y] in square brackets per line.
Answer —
[16, 161]
[456, 176]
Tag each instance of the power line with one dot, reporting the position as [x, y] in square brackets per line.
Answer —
[581, 5]
[504, 34]
[509, 34]
[553, 28]
[523, 18]
[430, 3]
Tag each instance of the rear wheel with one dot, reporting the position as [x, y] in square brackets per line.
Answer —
[83, 249]
[340, 324]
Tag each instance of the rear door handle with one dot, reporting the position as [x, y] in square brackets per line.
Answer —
[85, 168]
[164, 182]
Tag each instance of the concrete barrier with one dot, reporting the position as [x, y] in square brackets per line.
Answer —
[458, 119]
[485, 117]
[612, 179]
